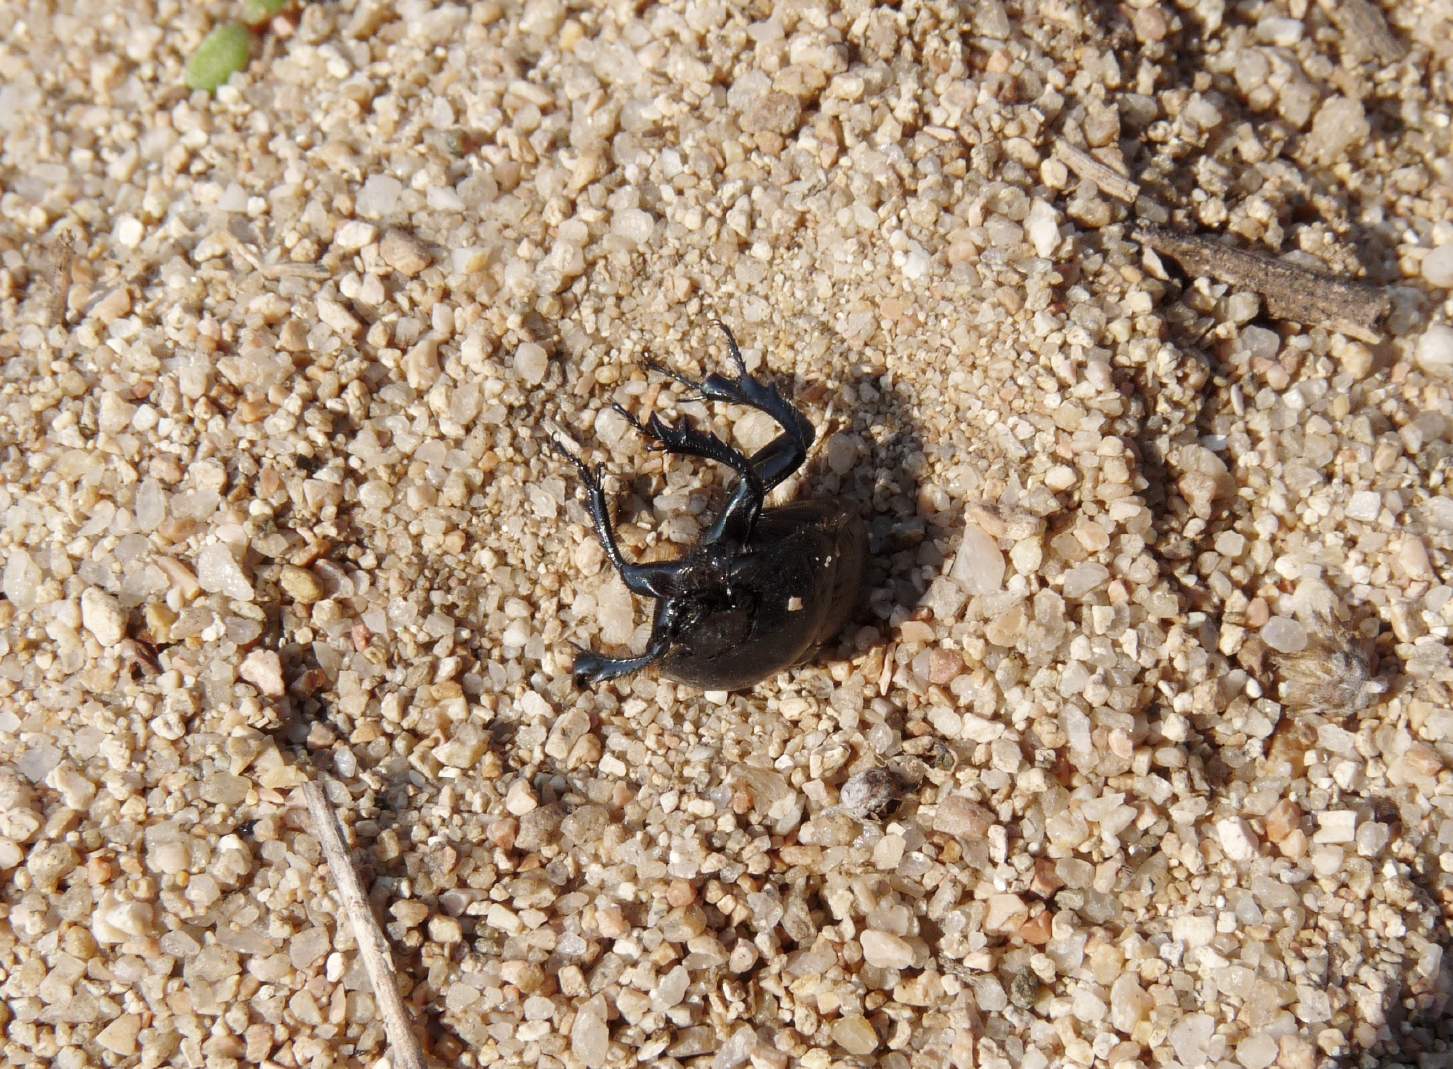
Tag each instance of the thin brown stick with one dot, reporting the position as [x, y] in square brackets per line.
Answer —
[1102, 174]
[377, 961]
[1288, 291]
[1364, 29]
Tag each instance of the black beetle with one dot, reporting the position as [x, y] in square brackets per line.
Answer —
[764, 587]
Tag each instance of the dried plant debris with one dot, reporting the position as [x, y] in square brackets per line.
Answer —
[273, 508]
[1331, 673]
[1288, 290]
[872, 794]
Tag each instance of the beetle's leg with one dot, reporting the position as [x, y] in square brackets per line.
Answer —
[648, 580]
[688, 441]
[783, 455]
[772, 463]
[592, 667]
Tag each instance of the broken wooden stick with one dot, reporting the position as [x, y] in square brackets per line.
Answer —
[377, 961]
[1287, 290]
[1109, 180]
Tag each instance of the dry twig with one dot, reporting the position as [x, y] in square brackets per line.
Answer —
[1288, 291]
[1102, 174]
[377, 961]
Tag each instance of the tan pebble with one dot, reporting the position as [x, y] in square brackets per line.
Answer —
[1006, 913]
[301, 584]
[1046, 880]
[119, 1037]
[1413, 558]
[519, 799]
[102, 616]
[409, 912]
[885, 950]
[680, 893]
[944, 666]
[1036, 930]
[403, 252]
[264, 670]
[1294, 844]
[502, 832]
[1283, 819]
[444, 929]
[855, 1035]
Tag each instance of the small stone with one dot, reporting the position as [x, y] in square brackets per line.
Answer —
[1340, 124]
[1259, 343]
[301, 584]
[1191, 1039]
[1238, 842]
[961, 818]
[264, 670]
[1194, 930]
[1336, 826]
[22, 579]
[379, 196]
[531, 363]
[354, 235]
[1283, 819]
[1005, 912]
[445, 929]
[1364, 505]
[1284, 635]
[1256, 1051]
[405, 253]
[337, 316]
[1041, 225]
[464, 747]
[219, 573]
[129, 231]
[223, 788]
[102, 616]
[1438, 266]
[632, 225]
[1434, 353]
[519, 799]
[539, 828]
[1295, 1052]
[589, 1037]
[979, 565]
[119, 1037]
[855, 1035]
[1129, 1003]
[1412, 558]
[671, 988]
[1082, 579]
[308, 946]
[568, 729]
[885, 950]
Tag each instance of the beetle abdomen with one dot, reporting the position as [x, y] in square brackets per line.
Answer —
[798, 584]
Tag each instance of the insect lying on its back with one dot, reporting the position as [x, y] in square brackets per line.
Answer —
[764, 587]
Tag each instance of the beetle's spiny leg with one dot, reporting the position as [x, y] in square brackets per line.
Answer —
[591, 667]
[737, 357]
[649, 580]
[652, 440]
[588, 475]
[688, 441]
[675, 376]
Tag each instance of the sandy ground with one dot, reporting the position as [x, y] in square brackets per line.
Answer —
[1135, 755]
